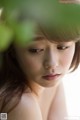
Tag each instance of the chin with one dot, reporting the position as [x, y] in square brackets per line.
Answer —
[47, 85]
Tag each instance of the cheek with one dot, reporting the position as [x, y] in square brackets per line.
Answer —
[31, 64]
[66, 61]
[67, 58]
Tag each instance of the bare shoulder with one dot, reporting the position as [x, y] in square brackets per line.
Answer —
[27, 109]
[58, 106]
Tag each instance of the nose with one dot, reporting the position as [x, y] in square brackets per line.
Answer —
[51, 60]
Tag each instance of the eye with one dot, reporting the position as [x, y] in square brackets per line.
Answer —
[35, 50]
[62, 47]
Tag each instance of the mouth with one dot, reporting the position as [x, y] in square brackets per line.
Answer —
[51, 76]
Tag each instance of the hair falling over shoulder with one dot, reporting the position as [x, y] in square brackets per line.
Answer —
[12, 81]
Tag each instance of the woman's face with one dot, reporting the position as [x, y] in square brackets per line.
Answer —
[45, 62]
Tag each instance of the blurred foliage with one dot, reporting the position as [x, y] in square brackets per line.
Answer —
[19, 18]
[5, 36]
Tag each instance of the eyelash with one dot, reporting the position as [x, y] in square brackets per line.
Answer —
[36, 50]
[62, 47]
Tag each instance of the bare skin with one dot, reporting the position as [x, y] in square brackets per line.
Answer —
[47, 100]
[43, 107]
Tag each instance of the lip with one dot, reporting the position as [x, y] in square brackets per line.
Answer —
[51, 76]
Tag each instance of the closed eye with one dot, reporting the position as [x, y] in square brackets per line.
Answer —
[35, 50]
[62, 47]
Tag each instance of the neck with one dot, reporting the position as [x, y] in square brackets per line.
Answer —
[37, 90]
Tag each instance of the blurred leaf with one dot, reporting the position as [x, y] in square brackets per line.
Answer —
[6, 35]
[50, 14]
[10, 4]
[24, 32]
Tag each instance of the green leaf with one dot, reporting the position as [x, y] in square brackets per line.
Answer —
[24, 32]
[6, 35]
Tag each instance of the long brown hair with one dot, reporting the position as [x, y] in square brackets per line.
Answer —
[12, 80]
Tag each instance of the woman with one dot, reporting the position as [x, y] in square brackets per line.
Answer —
[31, 77]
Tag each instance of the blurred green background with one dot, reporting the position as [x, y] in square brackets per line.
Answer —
[19, 19]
